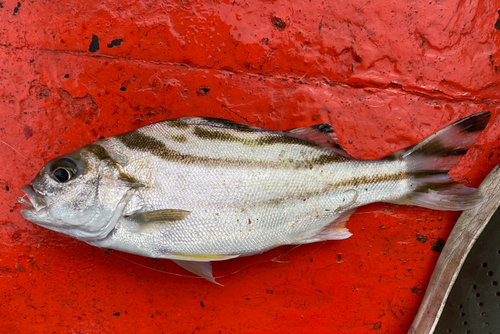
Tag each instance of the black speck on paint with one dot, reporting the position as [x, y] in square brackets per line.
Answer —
[123, 89]
[66, 76]
[438, 246]
[117, 314]
[115, 42]
[416, 290]
[1, 5]
[422, 238]
[202, 305]
[278, 23]
[94, 45]
[16, 10]
[497, 24]
[265, 41]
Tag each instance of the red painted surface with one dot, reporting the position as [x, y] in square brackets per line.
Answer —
[385, 74]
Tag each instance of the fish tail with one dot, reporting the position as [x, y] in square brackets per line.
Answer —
[429, 161]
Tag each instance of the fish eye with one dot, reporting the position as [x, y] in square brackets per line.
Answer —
[63, 170]
[62, 174]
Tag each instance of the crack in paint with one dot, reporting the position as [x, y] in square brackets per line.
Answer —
[434, 94]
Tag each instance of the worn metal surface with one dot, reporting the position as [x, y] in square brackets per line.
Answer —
[474, 302]
[464, 235]
[385, 75]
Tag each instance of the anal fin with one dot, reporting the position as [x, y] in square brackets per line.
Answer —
[202, 269]
[336, 230]
[199, 264]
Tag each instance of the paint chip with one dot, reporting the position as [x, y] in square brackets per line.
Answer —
[94, 45]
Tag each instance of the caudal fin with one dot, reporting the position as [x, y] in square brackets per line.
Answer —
[430, 160]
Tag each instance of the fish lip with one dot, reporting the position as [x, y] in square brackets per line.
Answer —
[36, 201]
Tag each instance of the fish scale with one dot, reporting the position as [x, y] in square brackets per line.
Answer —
[198, 189]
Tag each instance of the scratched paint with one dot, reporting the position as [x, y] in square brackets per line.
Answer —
[384, 75]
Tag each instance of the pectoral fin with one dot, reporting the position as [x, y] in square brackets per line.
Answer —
[152, 221]
[202, 269]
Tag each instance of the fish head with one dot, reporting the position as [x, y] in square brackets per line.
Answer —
[82, 194]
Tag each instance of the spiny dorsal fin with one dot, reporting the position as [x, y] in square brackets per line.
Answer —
[321, 134]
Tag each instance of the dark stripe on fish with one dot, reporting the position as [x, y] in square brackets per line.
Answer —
[347, 185]
[369, 179]
[100, 152]
[227, 124]
[178, 123]
[204, 133]
[325, 159]
[136, 140]
[426, 173]
[179, 138]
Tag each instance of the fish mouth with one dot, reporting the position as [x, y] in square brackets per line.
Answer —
[35, 199]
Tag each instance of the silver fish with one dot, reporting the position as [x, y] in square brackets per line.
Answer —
[195, 190]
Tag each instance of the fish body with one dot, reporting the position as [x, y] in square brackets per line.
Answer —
[199, 189]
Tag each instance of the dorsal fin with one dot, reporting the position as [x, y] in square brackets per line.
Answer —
[321, 134]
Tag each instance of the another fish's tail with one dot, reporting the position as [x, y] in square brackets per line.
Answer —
[430, 160]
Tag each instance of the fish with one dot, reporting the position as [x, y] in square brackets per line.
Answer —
[196, 190]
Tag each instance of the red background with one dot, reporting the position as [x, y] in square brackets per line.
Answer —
[385, 74]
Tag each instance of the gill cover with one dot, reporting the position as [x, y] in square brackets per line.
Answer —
[82, 194]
